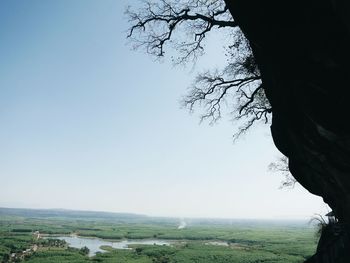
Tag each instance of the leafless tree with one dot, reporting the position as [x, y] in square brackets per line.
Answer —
[183, 26]
[281, 166]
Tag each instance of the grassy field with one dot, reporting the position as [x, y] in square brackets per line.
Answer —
[247, 241]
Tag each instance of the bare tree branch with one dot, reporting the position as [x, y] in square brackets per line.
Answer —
[281, 166]
[184, 25]
[155, 24]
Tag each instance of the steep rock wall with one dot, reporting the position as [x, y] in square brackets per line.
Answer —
[303, 52]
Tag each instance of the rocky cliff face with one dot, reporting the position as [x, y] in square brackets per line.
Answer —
[303, 52]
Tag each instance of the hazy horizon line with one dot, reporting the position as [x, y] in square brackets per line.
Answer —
[281, 218]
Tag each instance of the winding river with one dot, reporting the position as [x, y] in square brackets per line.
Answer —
[94, 244]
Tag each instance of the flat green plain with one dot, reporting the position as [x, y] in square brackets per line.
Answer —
[247, 241]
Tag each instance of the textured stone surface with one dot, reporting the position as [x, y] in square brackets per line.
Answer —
[303, 51]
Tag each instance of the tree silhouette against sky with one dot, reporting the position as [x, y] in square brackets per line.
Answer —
[183, 26]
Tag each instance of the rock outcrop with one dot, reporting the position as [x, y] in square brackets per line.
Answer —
[303, 51]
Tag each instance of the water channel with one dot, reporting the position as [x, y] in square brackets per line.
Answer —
[94, 244]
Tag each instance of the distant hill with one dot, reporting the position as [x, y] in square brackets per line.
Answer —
[73, 214]
[140, 219]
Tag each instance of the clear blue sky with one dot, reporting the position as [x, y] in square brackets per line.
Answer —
[86, 123]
